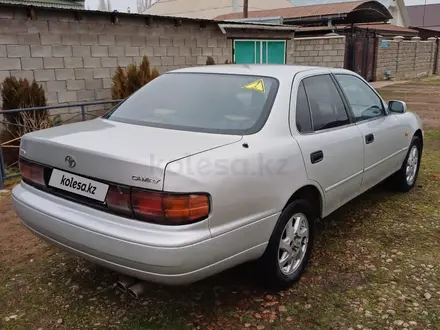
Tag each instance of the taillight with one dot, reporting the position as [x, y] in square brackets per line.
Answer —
[118, 200]
[169, 209]
[32, 172]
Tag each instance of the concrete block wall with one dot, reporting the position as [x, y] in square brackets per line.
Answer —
[405, 59]
[326, 51]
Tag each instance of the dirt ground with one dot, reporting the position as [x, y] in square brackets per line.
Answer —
[375, 266]
[421, 97]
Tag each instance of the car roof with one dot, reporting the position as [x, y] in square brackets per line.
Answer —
[280, 71]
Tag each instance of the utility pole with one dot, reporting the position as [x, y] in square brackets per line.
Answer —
[245, 8]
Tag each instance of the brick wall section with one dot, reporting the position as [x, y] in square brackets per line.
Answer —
[320, 51]
[405, 59]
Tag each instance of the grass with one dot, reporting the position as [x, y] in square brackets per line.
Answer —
[375, 266]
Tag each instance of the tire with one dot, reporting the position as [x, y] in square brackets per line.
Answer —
[275, 275]
[402, 181]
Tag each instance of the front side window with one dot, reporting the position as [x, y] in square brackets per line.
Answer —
[325, 102]
[201, 102]
[364, 103]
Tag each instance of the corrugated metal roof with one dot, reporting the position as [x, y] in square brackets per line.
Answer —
[49, 4]
[327, 9]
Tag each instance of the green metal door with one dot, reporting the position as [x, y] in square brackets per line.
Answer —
[244, 52]
[276, 52]
[252, 52]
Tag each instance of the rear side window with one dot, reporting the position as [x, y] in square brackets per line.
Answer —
[201, 102]
[303, 117]
[326, 104]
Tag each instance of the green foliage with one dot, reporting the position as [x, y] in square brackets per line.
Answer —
[126, 82]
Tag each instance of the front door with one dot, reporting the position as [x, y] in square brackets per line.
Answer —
[331, 145]
[383, 137]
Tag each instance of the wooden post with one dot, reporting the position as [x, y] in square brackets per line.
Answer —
[245, 8]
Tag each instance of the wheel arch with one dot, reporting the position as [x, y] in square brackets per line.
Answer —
[310, 193]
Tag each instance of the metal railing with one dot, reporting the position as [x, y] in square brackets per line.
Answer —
[83, 113]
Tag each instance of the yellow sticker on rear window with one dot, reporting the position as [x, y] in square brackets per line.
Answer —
[257, 85]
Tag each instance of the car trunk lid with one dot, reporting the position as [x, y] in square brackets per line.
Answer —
[132, 155]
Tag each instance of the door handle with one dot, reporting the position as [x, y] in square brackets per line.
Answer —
[316, 157]
[369, 138]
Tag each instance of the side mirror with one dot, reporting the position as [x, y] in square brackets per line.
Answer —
[397, 106]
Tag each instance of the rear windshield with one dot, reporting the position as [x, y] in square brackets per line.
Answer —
[201, 102]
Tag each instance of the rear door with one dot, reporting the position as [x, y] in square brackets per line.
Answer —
[383, 135]
[331, 145]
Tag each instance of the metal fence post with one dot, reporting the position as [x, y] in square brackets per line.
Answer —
[2, 170]
[83, 113]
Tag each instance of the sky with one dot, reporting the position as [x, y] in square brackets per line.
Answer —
[123, 5]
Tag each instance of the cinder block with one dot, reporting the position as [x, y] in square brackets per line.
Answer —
[201, 43]
[29, 75]
[184, 51]
[115, 51]
[29, 39]
[64, 74]
[29, 64]
[81, 51]
[201, 60]
[69, 96]
[146, 51]
[131, 51]
[75, 85]
[103, 94]
[84, 73]
[109, 62]
[70, 40]
[89, 39]
[99, 51]
[18, 51]
[56, 86]
[91, 62]
[138, 41]
[44, 75]
[152, 41]
[84, 95]
[52, 98]
[207, 51]
[73, 62]
[217, 51]
[3, 52]
[172, 51]
[178, 42]
[101, 73]
[167, 60]
[106, 39]
[37, 26]
[107, 82]
[50, 39]
[61, 51]
[196, 51]
[165, 42]
[122, 40]
[179, 60]
[92, 84]
[53, 63]
[41, 51]
[160, 51]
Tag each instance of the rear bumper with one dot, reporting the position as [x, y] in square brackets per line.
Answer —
[149, 252]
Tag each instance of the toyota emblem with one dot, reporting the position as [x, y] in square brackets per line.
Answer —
[70, 161]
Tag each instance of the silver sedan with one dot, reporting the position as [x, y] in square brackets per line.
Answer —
[206, 168]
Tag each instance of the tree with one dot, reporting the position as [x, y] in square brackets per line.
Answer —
[143, 5]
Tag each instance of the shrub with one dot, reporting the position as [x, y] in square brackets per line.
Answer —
[210, 61]
[20, 94]
[126, 82]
